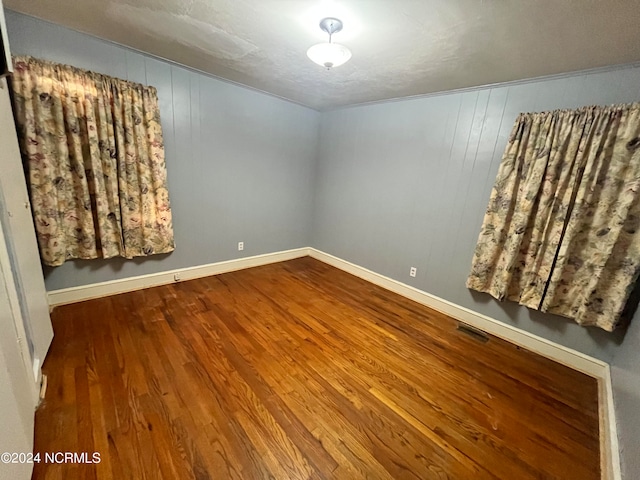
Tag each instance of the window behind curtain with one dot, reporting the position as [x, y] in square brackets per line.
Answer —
[94, 154]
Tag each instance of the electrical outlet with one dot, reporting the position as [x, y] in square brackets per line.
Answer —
[413, 271]
[240, 246]
[176, 277]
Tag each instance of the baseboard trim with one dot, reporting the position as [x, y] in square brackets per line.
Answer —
[609, 447]
[610, 459]
[103, 289]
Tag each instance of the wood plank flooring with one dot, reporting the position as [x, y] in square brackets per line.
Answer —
[298, 370]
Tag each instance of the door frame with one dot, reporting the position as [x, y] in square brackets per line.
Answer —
[16, 312]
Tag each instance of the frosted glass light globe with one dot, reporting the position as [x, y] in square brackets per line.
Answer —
[329, 55]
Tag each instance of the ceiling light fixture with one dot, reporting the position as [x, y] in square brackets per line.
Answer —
[329, 54]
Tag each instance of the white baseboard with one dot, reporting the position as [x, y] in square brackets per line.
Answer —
[610, 459]
[578, 361]
[609, 448]
[103, 289]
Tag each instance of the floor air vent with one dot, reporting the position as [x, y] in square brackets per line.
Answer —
[473, 332]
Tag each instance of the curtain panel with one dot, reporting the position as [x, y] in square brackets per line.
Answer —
[560, 233]
[94, 156]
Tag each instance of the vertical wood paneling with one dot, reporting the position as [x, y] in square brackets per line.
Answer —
[451, 188]
[431, 132]
[239, 162]
[465, 179]
[136, 71]
[625, 373]
[481, 162]
[432, 197]
[369, 211]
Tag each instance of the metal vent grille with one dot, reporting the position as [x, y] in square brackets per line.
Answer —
[473, 332]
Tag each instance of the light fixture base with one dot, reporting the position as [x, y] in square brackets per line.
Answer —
[330, 25]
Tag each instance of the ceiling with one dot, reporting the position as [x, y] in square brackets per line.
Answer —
[400, 47]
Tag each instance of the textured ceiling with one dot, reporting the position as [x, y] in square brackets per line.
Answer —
[400, 47]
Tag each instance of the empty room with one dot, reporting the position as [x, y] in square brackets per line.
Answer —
[314, 239]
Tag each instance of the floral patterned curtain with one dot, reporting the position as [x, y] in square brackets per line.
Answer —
[95, 163]
[562, 230]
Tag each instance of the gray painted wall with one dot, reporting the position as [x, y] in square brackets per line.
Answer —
[625, 371]
[406, 184]
[240, 163]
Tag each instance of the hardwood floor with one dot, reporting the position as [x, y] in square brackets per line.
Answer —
[297, 370]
